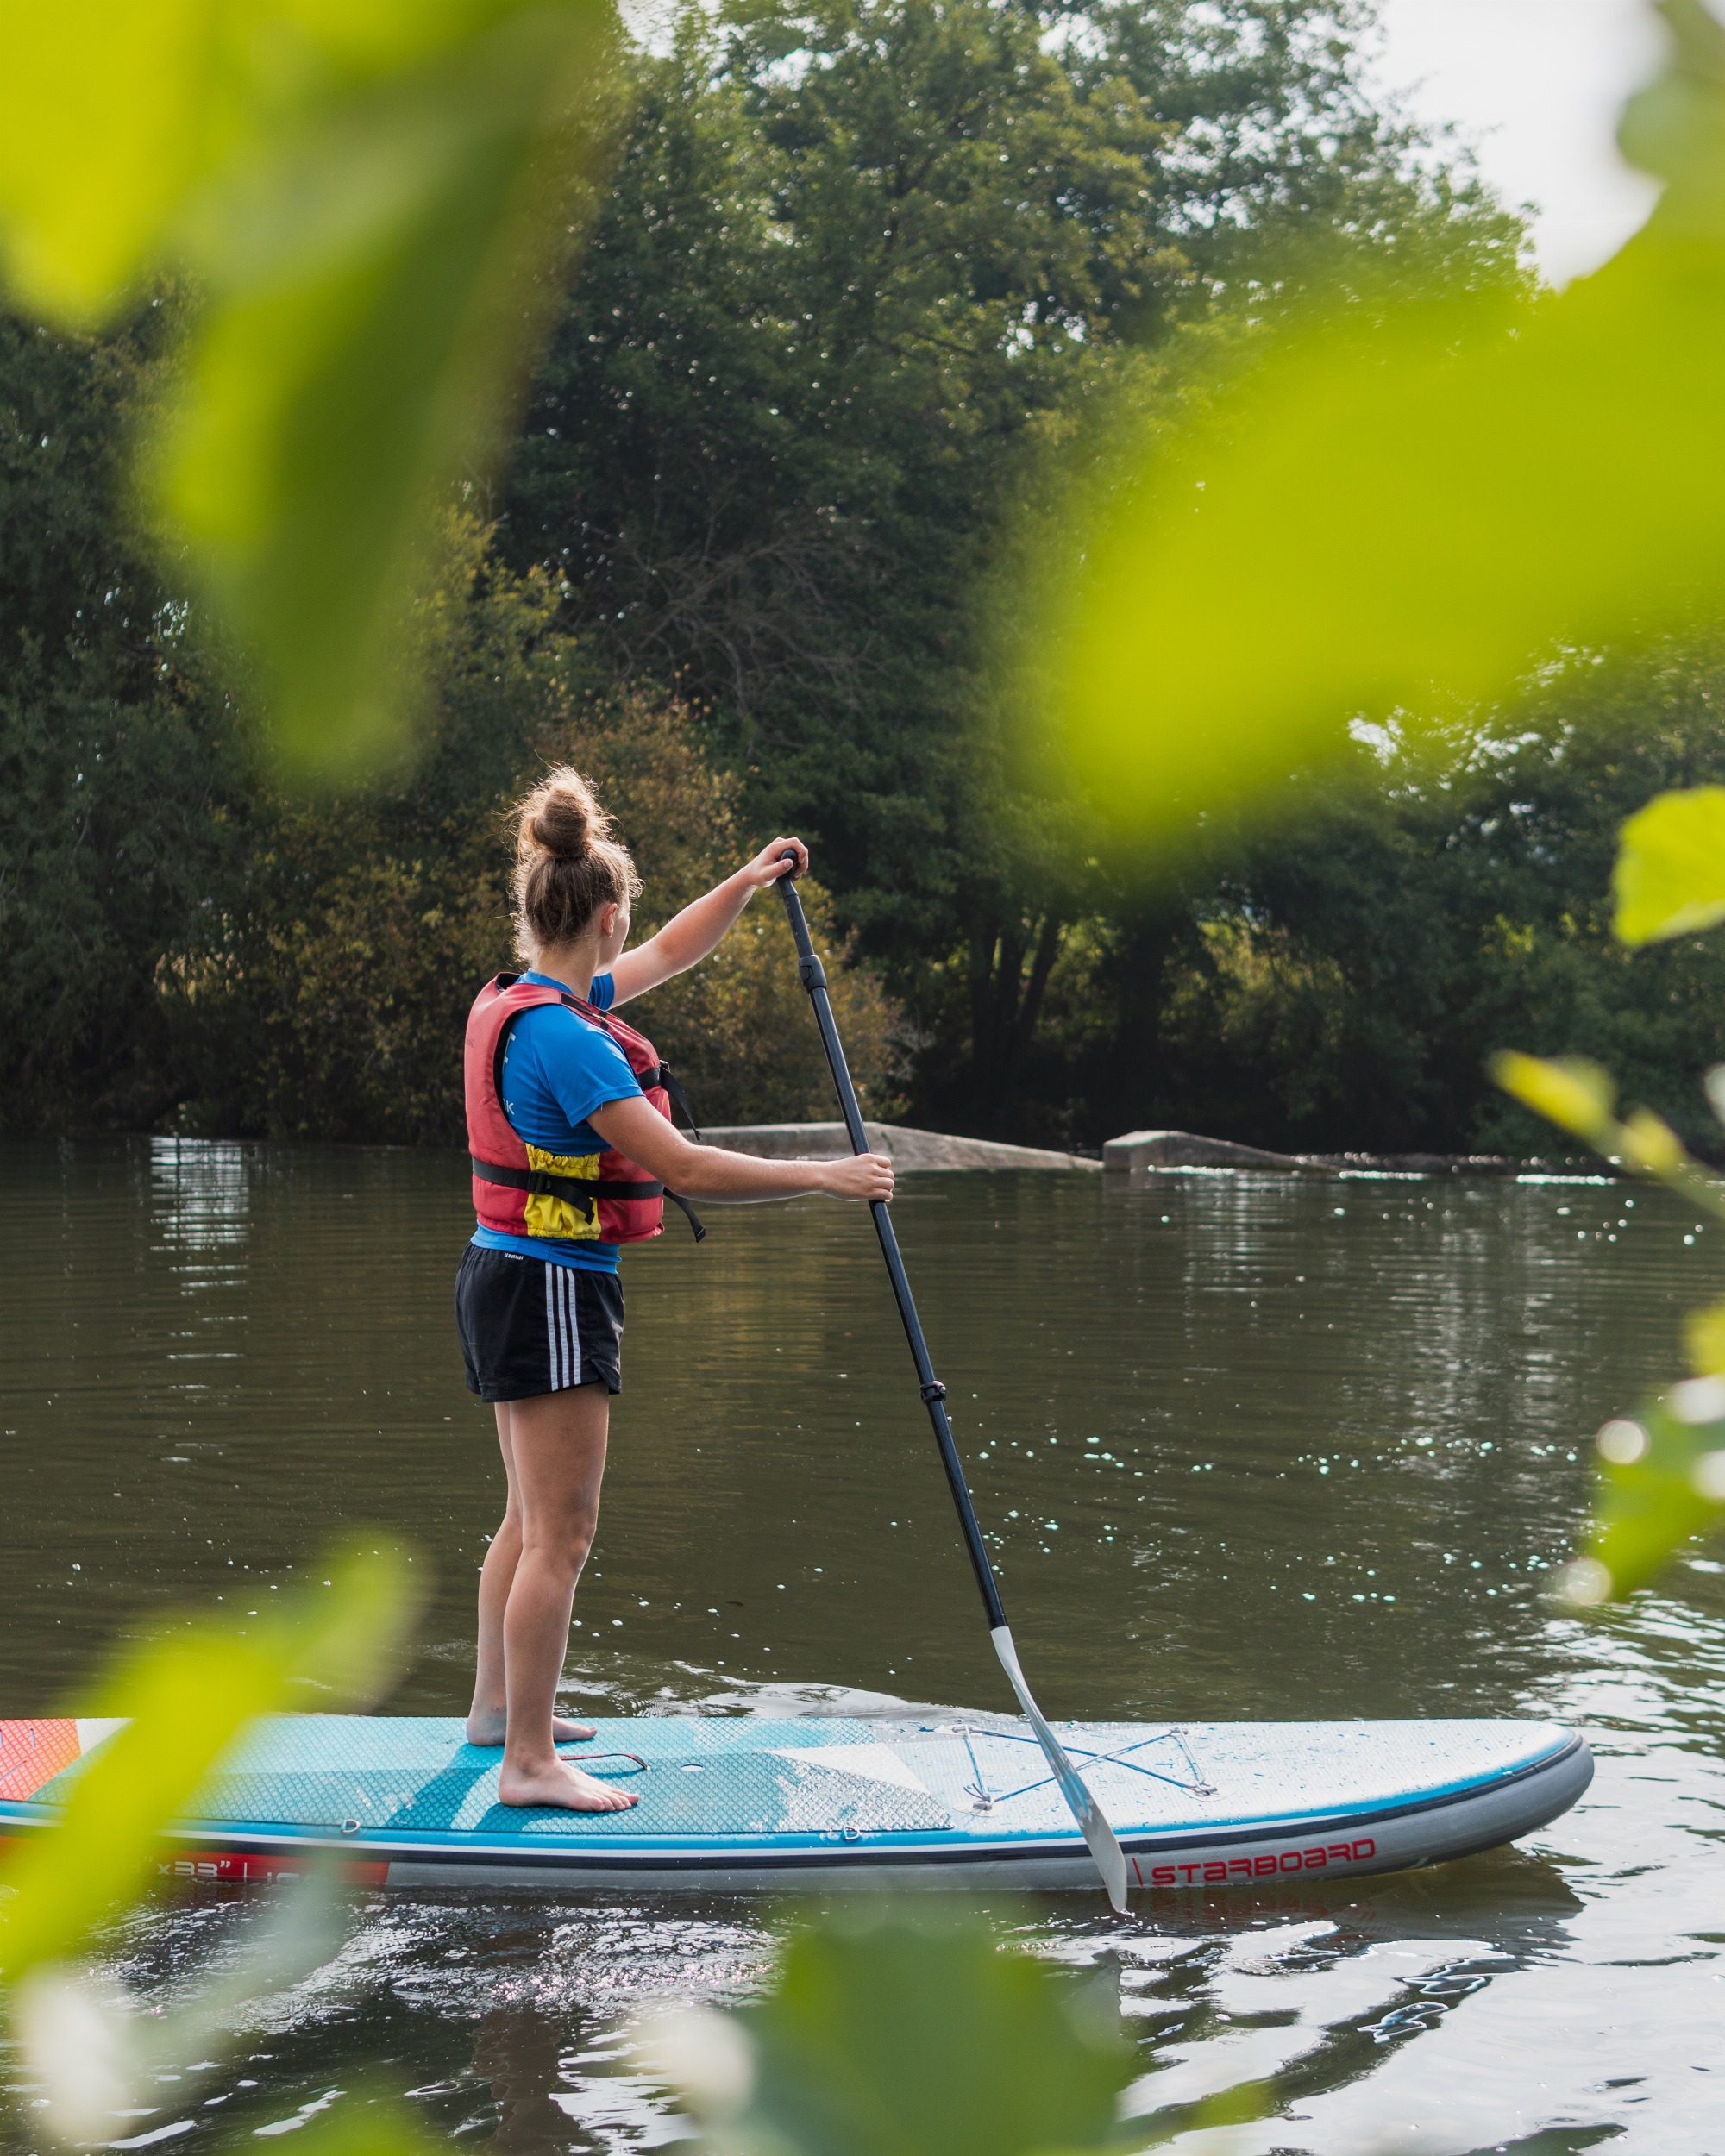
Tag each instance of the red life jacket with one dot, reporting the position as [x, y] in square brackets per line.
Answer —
[523, 1189]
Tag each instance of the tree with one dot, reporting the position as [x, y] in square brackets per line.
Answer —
[1451, 891]
[862, 268]
[119, 758]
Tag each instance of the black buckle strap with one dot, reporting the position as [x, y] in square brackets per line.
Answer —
[579, 1190]
[540, 1183]
[667, 1078]
[688, 1214]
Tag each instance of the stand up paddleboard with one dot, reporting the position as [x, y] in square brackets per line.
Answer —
[730, 1805]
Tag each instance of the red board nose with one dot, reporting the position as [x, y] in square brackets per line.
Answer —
[32, 1753]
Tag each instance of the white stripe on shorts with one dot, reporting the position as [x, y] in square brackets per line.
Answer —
[554, 1325]
[574, 1376]
[562, 1328]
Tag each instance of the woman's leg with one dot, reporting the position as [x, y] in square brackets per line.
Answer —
[556, 1444]
[487, 1716]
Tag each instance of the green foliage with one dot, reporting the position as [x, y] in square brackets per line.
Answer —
[1401, 502]
[1661, 1481]
[928, 2043]
[1579, 1096]
[183, 1701]
[1335, 983]
[885, 2034]
[370, 2122]
[117, 754]
[179, 1705]
[1670, 876]
[370, 199]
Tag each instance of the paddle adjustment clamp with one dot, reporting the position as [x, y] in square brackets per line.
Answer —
[932, 1391]
[812, 973]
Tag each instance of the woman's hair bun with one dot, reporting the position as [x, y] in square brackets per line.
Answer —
[562, 822]
[568, 862]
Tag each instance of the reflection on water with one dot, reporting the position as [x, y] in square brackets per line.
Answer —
[1246, 1446]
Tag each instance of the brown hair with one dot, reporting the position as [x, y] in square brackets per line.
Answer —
[568, 862]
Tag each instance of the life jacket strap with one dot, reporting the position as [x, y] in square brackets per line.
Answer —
[581, 1190]
[667, 1078]
[688, 1214]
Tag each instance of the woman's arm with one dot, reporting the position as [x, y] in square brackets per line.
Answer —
[706, 1171]
[685, 940]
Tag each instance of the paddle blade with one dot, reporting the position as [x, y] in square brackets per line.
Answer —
[1103, 1843]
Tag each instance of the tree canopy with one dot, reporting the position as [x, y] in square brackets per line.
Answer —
[864, 274]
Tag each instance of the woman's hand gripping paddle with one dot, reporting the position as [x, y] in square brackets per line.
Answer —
[1097, 1830]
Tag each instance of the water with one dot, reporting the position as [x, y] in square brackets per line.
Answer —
[1250, 1446]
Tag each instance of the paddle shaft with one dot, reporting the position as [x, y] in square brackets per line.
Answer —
[813, 975]
[1096, 1829]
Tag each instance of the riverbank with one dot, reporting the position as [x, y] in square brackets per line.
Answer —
[1162, 1153]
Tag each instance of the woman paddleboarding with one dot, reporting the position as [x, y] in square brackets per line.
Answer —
[574, 1155]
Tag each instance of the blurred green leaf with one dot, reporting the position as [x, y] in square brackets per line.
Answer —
[111, 124]
[1660, 1478]
[888, 2034]
[1568, 1090]
[183, 1700]
[339, 1647]
[367, 2121]
[1661, 1481]
[1578, 1095]
[92, 174]
[1675, 128]
[95, 2057]
[1407, 503]
[1669, 879]
[1649, 1145]
[1243, 2104]
[373, 201]
[1704, 1340]
[377, 294]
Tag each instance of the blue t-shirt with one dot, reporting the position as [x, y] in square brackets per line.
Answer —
[557, 1069]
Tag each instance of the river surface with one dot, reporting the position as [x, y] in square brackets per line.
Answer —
[1252, 1446]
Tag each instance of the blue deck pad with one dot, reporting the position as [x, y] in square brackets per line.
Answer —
[701, 1777]
[730, 1794]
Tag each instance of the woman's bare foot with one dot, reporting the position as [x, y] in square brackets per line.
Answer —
[487, 1731]
[561, 1785]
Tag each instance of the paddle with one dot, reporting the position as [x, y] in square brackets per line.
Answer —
[1097, 1830]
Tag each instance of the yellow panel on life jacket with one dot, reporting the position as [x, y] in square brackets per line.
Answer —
[563, 1217]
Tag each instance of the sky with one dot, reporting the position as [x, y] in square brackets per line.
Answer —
[1536, 86]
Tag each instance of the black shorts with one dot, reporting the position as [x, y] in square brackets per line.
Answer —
[529, 1326]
